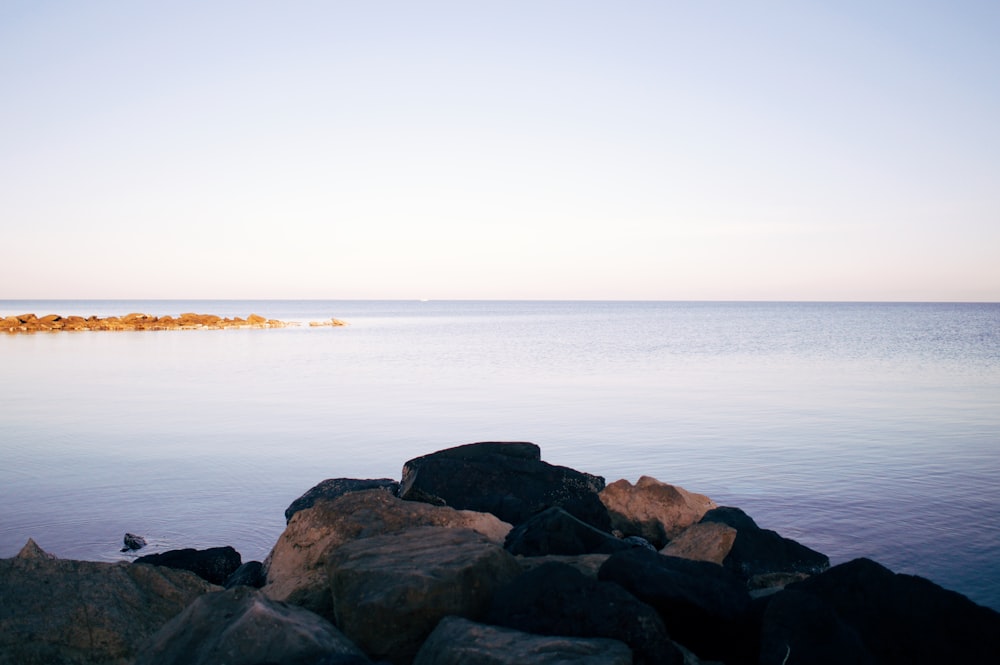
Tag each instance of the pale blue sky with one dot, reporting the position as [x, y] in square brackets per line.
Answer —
[636, 150]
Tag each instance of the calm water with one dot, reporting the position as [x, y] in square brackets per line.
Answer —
[857, 429]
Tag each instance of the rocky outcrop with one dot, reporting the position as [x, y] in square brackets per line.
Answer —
[458, 641]
[554, 531]
[29, 323]
[241, 626]
[296, 567]
[652, 509]
[507, 479]
[55, 611]
[390, 591]
[334, 487]
[214, 564]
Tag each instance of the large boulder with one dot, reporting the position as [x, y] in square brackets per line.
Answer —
[506, 479]
[757, 551]
[556, 599]
[335, 487]
[296, 567]
[57, 611]
[214, 564]
[241, 626]
[652, 509]
[703, 606]
[881, 617]
[554, 531]
[458, 641]
[390, 591]
[707, 541]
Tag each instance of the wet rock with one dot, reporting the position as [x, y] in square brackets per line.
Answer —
[554, 531]
[334, 487]
[896, 618]
[390, 591]
[241, 626]
[133, 542]
[757, 551]
[249, 574]
[457, 641]
[84, 612]
[296, 567]
[703, 606]
[707, 541]
[556, 599]
[508, 480]
[652, 509]
[214, 564]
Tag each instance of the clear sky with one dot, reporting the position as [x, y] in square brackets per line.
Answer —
[810, 150]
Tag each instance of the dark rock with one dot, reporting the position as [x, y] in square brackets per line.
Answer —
[83, 612]
[638, 541]
[757, 551]
[390, 591]
[556, 599]
[458, 641]
[133, 542]
[800, 628]
[215, 564]
[506, 479]
[334, 487]
[897, 618]
[243, 627]
[554, 531]
[703, 606]
[249, 574]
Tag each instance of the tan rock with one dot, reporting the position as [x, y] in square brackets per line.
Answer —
[31, 550]
[710, 541]
[652, 509]
[295, 568]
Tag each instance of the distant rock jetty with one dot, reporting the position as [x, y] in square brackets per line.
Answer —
[29, 323]
[484, 553]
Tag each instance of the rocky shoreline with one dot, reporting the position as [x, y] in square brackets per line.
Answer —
[484, 553]
[29, 323]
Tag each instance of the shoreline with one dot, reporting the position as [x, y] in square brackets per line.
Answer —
[135, 321]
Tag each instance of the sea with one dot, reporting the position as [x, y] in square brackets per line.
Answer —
[858, 429]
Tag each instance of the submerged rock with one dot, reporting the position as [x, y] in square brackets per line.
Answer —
[133, 542]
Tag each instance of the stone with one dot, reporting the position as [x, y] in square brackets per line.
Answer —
[334, 487]
[554, 531]
[214, 564]
[241, 626]
[556, 599]
[704, 607]
[757, 551]
[133, 542]
[390, 591]
[588, 564]
[457, 641]
[55, 611]
[507, 479]
[652, 509]
[897, 619]
[249, 574]
[296, 567]
[707, 541]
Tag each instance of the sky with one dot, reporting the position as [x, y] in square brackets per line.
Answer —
[544, 149]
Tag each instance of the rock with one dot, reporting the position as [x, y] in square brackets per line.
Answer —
[896, 618]
[249, 574]
[133, 542]
[457, 641]
[556, 599]
[757, 551]
[296, 567]
[707, 541]
[703, 606]
[554, 531]
[588, 564]
[214, 564]
[241, 626]
[390, 591]
[652, 509]
[334, 487]
[506, 479]
[83, 612]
